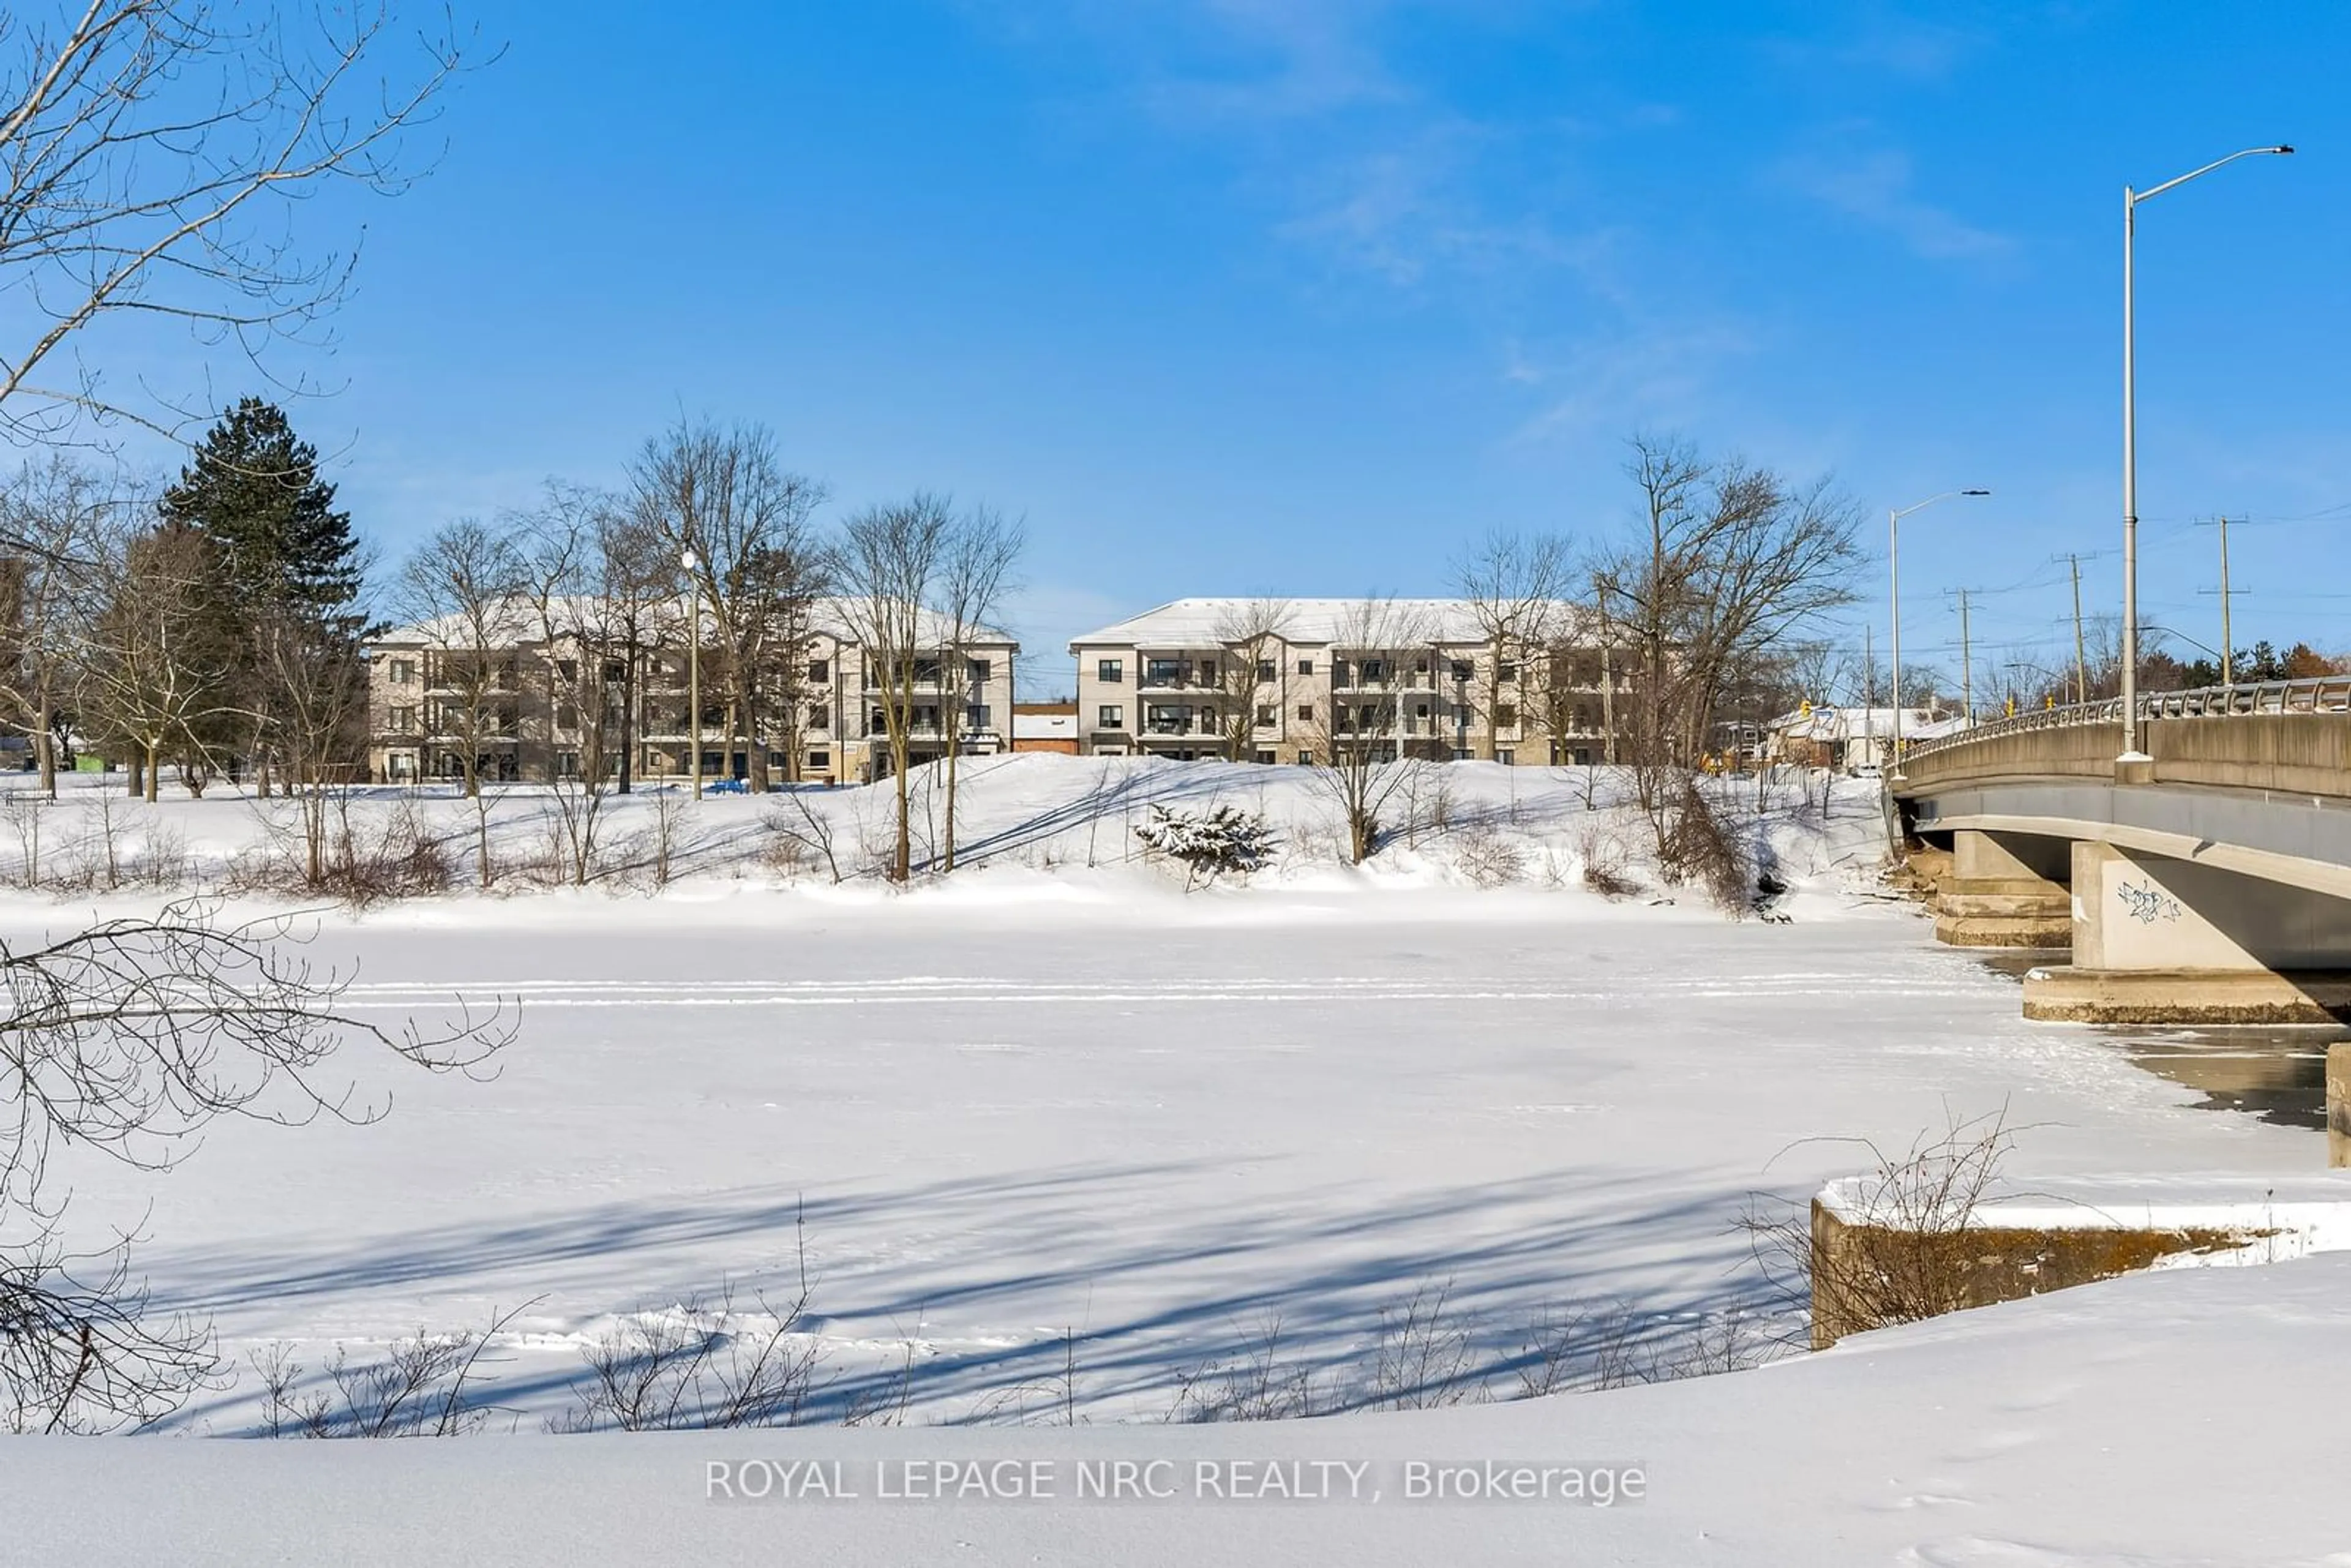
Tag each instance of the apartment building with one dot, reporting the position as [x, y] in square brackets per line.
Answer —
[1292, 681]
[535, 707]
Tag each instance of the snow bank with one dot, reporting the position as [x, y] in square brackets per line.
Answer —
[2160, 1421]
[1466, 825]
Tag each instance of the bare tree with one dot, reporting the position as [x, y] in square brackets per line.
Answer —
[128, 1039]
[464, 590]
[1252, 635]
[974, 571]
[738, 522]
[1516, 587]
[890, 564]
[1360, 732]
[1731, 563]
[155, 152]
[158, 659]
[314, 683]
[597, 631]
[55, 519]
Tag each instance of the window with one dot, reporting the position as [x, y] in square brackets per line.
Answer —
[566, 764]
[1165, 673]
[1506, 716]
[1460, 754]
[820, 717]
[1305, 666]
[1110, 672]
[1265, 756]
[567, 670]
[403, 718]
[1338, 671]
[1207, 671]
[1505, 756]
[1306, 759]
[615, 671]
[1265, 715]
[976, 717]
[819, 759]
[819, 671]
[1168, 718]
[1207, 716]
[403, 672]
[1374, 671]
[1306, 713]
[1461, 670]
[876, 723]
[976, 671]
[1505, 672]
[1110, 715]
[1267, 670]
[568, 717]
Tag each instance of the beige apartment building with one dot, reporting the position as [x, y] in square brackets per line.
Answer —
[1292, 681]
[527, 702]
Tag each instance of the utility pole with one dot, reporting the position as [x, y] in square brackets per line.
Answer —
[1966, 668]
[2081, 661]
[2227, 655]
[2227, 650]
[1868, 695]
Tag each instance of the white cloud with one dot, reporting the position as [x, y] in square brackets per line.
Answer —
[1875, 188]
[1636, 375]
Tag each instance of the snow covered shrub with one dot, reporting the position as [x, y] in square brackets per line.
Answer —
[1487, 858]
[1603, 853]
[1223, 838]
[1698, 847]
[421, 1387]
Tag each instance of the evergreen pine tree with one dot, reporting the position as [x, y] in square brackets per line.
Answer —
[292, 577]
[254, 490]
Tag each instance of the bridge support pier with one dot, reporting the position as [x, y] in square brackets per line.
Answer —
[2160, 940]
[2004, 890]
[2338, 1105]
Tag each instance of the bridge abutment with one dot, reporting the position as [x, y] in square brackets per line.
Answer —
[2161, 940]
[2004, 890]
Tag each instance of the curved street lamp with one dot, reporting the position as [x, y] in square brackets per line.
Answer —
[2131, 199]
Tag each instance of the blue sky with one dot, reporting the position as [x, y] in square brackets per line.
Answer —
[1296, 295]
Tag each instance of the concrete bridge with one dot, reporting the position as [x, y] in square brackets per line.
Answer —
[2206, 879]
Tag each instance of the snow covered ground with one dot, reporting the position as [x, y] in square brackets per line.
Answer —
[1055, 1137]
[2178, 1420]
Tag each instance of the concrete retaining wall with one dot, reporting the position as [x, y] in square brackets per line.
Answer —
[1928, 1275]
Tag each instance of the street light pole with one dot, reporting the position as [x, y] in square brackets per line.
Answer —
[693, 665]
[2131, 199]
[1894, 570]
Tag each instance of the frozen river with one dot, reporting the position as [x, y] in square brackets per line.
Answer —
[1034, 1135]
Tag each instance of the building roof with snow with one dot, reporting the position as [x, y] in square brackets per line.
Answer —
[1829, 725]
[518, 621]
[1369, 622]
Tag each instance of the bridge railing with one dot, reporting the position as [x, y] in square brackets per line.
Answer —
[2323, 693]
